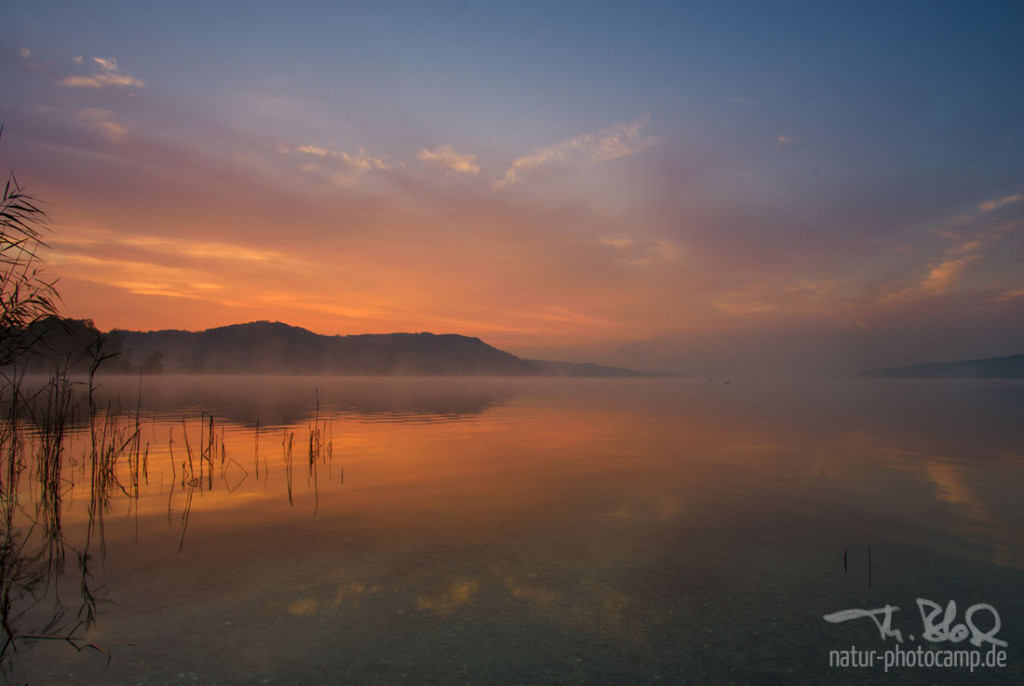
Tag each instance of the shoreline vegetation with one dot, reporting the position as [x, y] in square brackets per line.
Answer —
[275, 348]
[70, 457]
[36, 581]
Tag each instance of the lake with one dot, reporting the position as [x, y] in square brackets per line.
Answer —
[547, 531]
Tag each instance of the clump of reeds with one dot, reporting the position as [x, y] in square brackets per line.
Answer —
[11, 449]
[190, 479]
[110, 439]
[26, 297]
[198, 469]
[316, 450]
[286, 446]
[33, 438]
[51, 422]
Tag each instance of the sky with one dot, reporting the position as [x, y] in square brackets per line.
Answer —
[705, 188]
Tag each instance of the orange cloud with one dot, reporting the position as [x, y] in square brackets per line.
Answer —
[995, 203]
[1010, 295]
[966, 247]
[339, 167]
[803, 297]
[446, 156]
[102, 121]
[585, 150]
[944, 276]
[109, 75]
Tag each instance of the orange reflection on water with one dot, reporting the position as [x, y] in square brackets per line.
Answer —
[627, 518]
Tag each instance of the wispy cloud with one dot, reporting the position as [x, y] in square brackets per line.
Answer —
[108, 64]
[446, 156]
[943, 276]
[995, 203]
[30, 59]
[1010, 295]
[641, 253]
[802, 296]
[102, 121]
[974, 240]
[586, 150]
[358, 159]
[86, 240]
[312, 150]
[965, 247]
[108, 75]
[141, 278]
[784, 139]
[177, 267]
[342, 168]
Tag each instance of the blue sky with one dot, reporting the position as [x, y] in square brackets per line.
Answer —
[696, 186]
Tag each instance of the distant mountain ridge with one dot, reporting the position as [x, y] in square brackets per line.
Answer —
[1009, 367]
[275, 348]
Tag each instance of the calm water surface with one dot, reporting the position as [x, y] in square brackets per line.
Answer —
[550, 531]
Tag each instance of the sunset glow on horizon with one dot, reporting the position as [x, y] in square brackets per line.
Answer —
[701, 188]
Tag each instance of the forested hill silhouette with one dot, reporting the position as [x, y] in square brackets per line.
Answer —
[1010, 367]
[276, 348]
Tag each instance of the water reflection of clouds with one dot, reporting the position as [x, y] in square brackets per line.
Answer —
[584, 605]
[459, 593]
[579, 603]
[337, 593]
[975, 519]
[302, 607]
[352, 591]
